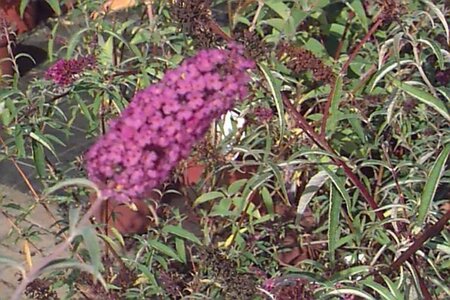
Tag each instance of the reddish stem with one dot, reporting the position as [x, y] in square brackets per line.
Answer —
[322, 143]
[429, 232]
[326, 112]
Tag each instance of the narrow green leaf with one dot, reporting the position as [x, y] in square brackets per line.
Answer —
[268, 201]
[334, 108]
[393, 288]
[23, 5]
[181, 232]
[92, 245]
[340, 185]
[311, 188]
[181, 249]
[279, 7]
[54, 4]
[352, 291]
[20, 142]
[84, 109]
[40, 138]
[106, 56]
[346, 273]
[388, 67]
[424, 97]
[76, 38]
[208, 197]
[39, 159]
[51, 42]
[333, 222]
[74, 181]
[436, 50]
[357, 7]
[441, 17]
[431, 184]
[164, 249]
[380, 290]
[74, 217]
[236, 186]
[275, 90]
[118, 236]
[280, 178]
[276, 23]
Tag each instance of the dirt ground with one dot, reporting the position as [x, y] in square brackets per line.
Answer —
[11, 244]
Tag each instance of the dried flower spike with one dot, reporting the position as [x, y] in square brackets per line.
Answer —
[164, 121]
[194, 16]
[300, 60]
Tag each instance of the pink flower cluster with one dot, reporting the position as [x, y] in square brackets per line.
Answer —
[163, 122]
[65, 71]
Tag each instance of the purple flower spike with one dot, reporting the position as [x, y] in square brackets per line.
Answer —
[164, 121]
[65, 71]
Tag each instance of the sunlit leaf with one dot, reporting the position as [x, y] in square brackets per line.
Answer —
[431, 184]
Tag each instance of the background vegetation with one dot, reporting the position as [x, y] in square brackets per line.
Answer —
[330, 181]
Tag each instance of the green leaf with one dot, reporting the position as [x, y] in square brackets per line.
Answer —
[388, 67]
[357, 7]
[20, 142]
[74, 217]
[23, 5]
[268, 201]
[431, 184]
[352, 291]
[280, 178]
[279, 7]
[106, 56]
[118, 236]
[181, 232]
[424, 97]
[54, 4]
[276, 23]
[208, 197]
[40, 138]
[346, 273]
[84, 109]
[436, 50]
[76, 38]
[334, 108]
[39, 159]
[93, 247]
[181, 249]
[275, 90]
[311, 188]
[236, 186]
[441, 17]
[164, 249]
[340, 185]
[380, 290]
[333, 222]
[51, 42]
[73, 181]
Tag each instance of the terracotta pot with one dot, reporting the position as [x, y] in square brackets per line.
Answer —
[9, 9]
[126, 218]
[193, 173]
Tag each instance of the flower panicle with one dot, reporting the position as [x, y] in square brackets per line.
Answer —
[164, 121]
[65, 71]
